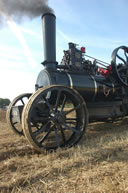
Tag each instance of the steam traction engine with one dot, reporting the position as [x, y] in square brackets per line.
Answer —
[70, 95]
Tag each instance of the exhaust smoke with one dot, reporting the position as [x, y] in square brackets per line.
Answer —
[18, 9]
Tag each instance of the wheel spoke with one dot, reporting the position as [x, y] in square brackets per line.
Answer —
[63, 104]
[42, 119]
[57, 100]
[70, 111]
[34, 126]
[70, 128]
[22, 101]
[42, 129]
[71, 122]
[71, 119]
[45, 136]
[15, 123]
[48, 104]
[121, 59]
[126, 56]
[75, 108]
[63, 135]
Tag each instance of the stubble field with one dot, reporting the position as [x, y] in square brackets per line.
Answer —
[98, 164]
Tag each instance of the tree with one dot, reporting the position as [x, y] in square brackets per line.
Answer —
[4, 102]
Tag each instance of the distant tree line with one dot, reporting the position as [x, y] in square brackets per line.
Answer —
[4, 102]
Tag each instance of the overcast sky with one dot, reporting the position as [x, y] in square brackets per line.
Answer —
[99, 25]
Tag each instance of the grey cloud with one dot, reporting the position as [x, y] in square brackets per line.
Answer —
[18, 9]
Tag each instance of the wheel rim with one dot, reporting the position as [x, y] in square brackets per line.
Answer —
[119, 63]
[55, 117]
[20, 100]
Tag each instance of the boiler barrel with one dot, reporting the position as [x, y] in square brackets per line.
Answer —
[87, 85]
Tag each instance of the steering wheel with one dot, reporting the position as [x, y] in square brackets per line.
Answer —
[119, 63]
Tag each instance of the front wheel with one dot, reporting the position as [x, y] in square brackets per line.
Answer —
[54, 117]
[18, 101]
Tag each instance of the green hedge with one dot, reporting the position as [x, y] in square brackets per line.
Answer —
[4, 102]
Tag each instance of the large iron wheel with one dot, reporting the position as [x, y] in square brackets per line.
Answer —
[119, 62]
[54, 117]
[14, 125]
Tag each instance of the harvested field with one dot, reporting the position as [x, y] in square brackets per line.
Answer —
[99, 164]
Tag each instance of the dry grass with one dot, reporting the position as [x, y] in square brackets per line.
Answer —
[98, 164]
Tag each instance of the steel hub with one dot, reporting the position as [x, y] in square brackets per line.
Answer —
[58, 118]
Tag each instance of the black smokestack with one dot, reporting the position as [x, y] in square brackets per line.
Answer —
[17, 9]
[49, 38]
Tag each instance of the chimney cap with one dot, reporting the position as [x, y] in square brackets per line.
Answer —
[52, 14]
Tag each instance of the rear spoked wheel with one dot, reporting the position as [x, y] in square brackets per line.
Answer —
[55, 117]
[119, 62]
[18, 101]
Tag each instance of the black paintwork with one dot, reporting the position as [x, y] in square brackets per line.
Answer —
[49, 34]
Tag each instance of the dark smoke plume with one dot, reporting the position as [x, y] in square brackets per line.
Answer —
[18, 9]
